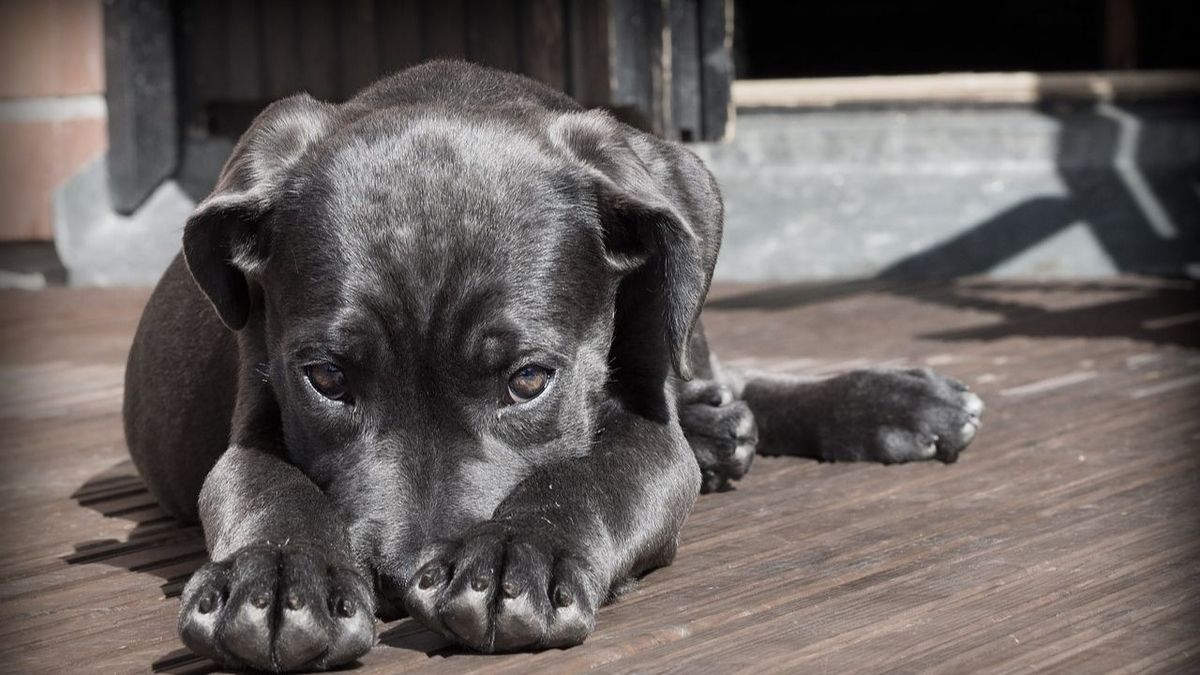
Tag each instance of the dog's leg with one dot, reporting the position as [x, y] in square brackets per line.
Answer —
[883, 415]
[562, 543]
[719, 428]
[282, 592]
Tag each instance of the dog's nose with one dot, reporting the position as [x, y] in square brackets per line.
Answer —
[389, 598]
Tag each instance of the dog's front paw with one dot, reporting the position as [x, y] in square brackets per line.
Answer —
[278, 608]
[720, 430]
[891, 415]
[503, 588]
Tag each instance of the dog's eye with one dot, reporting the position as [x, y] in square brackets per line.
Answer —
[328, 380]
[528, 383]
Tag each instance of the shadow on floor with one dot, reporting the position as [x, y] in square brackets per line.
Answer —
[157, 545]
[161, 546]
[1129, 175]
[1165, 313]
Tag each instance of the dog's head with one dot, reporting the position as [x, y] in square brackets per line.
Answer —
[439, 303]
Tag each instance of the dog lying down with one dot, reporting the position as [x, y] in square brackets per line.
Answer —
[436, 351]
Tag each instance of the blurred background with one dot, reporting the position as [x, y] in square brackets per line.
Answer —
[852, 139]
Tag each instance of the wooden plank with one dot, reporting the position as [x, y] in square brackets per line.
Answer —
[281, 48]
[543, 43]
[716, 46]
[1059, 542]
[685, 85]
[398, 34]
[492, 33]
[319, 48]
[202, 60]
[589, 71]
[445, 29]
[636, 62]
[243, 51]
[139, 57]
[359, 62]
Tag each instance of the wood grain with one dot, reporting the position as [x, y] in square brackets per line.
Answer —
[1065, 539]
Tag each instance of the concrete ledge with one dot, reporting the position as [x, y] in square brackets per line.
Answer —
[1071, 191]
[1023, 88]
[100, 247]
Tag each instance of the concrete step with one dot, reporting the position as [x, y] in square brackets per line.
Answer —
[1071, 191]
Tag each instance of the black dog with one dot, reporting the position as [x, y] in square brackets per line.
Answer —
[435, 372]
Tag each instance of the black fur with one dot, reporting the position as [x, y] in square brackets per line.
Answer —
[430, 236]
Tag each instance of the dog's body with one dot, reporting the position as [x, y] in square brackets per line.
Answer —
[457, 301]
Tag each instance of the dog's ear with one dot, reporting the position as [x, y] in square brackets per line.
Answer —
[661, 217]
[225, 239]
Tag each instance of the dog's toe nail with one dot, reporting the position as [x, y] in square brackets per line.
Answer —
[481, 582]
[511, 589]
[261, 600]
[972, 404]
[294, 601]
[344, 607]
[206, 604]
[968, 431]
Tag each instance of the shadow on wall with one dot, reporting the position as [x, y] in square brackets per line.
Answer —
[1138, 195]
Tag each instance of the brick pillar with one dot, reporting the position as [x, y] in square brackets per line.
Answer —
[52, 112]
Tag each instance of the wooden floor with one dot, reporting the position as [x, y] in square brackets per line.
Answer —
[1065, 539]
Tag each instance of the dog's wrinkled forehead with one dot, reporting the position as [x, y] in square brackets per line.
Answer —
[436, 185]
[422, 209]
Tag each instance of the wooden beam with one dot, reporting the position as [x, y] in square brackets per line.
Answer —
[143, 125]
[636, 63]
[685, 85]
[542, 41]
[716, 48]
[589, 70]
[398, 34]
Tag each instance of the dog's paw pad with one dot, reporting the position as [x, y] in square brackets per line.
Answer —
[894, 416]
[277, 608]
[497, 590]
[721, 432]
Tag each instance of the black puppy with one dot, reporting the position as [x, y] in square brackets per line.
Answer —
[420, 354]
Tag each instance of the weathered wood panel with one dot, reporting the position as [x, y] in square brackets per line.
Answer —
[685, 85]
[445, 29]
[238, 55]
[281, 46]
[636, 62]
[492, 33]
[543, 41]
[319, 52]
[590, 71]
[716, 35]
[357, 50]
[139, 58]
[398, 33]
[244, 54]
